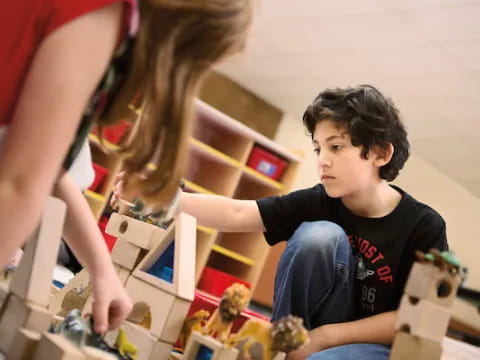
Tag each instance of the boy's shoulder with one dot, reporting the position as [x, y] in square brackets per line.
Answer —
[415, 207]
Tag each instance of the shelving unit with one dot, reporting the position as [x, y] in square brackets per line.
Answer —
[218, 153]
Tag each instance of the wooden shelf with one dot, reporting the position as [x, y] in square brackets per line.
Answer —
[254, 174]
[206, 230]
[94, 138]
[213, 171]
[94, 196]
[196, 188]
[208, 151]
[233, 255]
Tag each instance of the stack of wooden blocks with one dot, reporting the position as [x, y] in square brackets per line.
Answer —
[138, 249]
[424, 312]
[27, 308]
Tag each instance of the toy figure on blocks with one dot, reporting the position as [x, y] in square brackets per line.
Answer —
[282, 336]
[424, 312]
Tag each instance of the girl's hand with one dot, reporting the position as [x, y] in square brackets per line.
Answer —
[111, 304]
[119, 191]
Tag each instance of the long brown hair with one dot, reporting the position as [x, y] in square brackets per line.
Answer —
[177, 43]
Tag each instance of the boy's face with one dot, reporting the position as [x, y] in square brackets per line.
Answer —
[341, 168]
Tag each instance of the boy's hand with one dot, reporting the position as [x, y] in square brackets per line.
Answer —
[111, 304]
[321, 338]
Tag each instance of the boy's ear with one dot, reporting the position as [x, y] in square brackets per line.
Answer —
[383, 154]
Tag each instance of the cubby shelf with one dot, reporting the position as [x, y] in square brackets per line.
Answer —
[232, 254]
[218, 153]
[95, 139]
[94, 196]
[254, 174]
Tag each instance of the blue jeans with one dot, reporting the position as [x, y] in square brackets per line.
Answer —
[314, 281]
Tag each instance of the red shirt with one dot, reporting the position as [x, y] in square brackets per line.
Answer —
[24, 24]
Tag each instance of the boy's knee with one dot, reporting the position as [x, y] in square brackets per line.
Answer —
[319, 236]
[320, 233]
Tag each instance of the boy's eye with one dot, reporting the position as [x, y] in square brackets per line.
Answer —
[335, 147]
[316, 151]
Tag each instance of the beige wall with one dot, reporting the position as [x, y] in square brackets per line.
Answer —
[459, 208]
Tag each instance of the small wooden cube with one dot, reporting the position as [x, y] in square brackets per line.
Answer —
[24, 344]
[199, 342]
[410, 347]
[134, 231]
[57, 347]
[422, 318]
[125, 254]
[161, 350]
[138, 336]
[93, 353]
[429, 282]
[19, 314]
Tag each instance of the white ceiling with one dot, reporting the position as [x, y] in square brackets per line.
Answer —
[425, 54]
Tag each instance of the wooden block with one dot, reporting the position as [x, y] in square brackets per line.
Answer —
[176, 318]
[123, 273]
[182, 232]
[24, 344]
[19, 314]
[229, 354]
[138, 336]
[280, 356]
[161, 350]
[428, 282]
[79, 285]
[97, 354]
[146, 296]
[406, 346]
[219, 351]
[31, 280]
[125, 254]
[422, 318]
[3, 295]
[57, 347]
[134, 231]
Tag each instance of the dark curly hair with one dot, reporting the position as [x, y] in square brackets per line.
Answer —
[371, 120]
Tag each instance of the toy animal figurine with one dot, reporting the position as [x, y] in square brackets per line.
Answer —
[286, 334]
[74, 328]
[193, 323]
[445, 260]
[234, 300]
[124, 347]
[7, 273]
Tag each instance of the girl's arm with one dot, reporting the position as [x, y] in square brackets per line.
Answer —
[63, 75]
[85, 239]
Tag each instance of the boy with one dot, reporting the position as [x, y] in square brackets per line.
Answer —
[351, 239]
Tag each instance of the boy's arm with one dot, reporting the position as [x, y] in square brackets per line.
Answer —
[377, 329]
[85, 239]
[222, 213]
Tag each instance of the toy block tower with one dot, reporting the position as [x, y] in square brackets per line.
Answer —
[161, 283]
[424, 311]
[25, 305]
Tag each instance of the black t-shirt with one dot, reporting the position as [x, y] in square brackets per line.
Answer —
[384, 248]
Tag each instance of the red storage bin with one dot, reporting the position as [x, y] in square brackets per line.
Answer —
[266, 163]
[215, 282]
[100, 173]
[109, 239]
[204, 301]
[113, 134]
